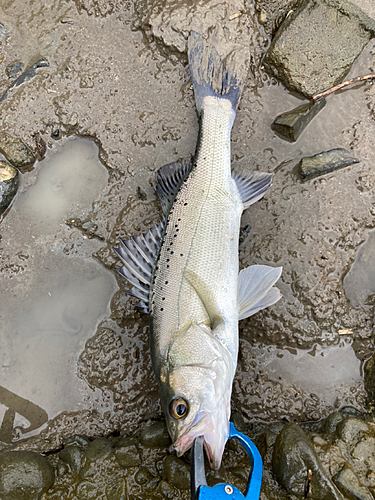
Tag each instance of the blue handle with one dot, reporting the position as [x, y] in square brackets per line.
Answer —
[229, 492]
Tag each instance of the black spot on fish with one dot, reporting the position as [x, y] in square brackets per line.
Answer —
[178, 219]
[185, 204]
[161, 309]
[163, 298]
[166, 282]
[172, 253]
[167, 266]
[181, 254]
[168, 260]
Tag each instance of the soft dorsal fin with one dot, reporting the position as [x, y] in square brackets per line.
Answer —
[255, 289]
[253, 187]
[169, 179]
[139, 255]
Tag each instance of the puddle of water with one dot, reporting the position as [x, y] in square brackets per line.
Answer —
[324, 371]
[299, 384]
[53, 300]
[359, 283]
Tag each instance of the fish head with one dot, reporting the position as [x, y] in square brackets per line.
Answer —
[196, 394]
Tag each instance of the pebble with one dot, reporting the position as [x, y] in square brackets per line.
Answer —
[325, 162]
[16, 152]
[73, 457]
[24, 475]
[98, 449]
[77, 439]
[9, 180]
[350, 428]
[127, 453]
[86, 491]
[143, 476]
[156, 436]
[293, 456]
[331, 422]
[116, 490]
[348, 484]
[291, 124]
[177, 472]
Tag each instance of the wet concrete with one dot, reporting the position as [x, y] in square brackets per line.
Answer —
[110, 81]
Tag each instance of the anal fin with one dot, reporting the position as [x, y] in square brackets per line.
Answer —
[253, 187]
[255, 289]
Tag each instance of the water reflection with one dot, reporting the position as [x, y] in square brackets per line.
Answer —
[15, 406]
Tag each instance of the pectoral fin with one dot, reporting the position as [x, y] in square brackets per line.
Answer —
[207, 296]
[255, 289]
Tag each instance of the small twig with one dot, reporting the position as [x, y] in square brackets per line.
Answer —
[347, 331]
[362, 78]
[308, 483]
[234, 16]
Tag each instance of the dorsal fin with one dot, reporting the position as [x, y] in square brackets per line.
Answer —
[139, 255]
[252, 187]
[169, 179]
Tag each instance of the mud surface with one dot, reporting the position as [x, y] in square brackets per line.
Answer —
[128, 90]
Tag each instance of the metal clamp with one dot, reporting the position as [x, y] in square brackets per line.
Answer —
[225, 491]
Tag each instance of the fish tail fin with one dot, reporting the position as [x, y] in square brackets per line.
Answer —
[211, 75]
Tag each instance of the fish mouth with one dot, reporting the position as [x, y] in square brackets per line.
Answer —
[215, 438]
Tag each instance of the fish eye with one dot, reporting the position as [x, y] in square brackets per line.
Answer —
[178, 408]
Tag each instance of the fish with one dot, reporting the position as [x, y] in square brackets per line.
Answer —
[185, 270]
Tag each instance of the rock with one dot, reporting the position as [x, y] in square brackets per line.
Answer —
[331, 422]
[177, 472]
[76, 439]
[317, 44]
[143, 476]
[293, 456]
[323, 163]
[87, 491]
[244, 233]
[365, 451]
[98, 449]
[127, 453]
[24, 475]
[16, 152]
[156, 436]
[291, 124]
[9, 180]
[116, 490]
[167, 490]
[350, 428]
[348, 484]
[72, 455]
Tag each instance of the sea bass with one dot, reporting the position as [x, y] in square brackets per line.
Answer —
[185, 270]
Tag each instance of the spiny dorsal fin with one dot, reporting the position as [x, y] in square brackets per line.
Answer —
[253, 187]
[255, 289]
[139, 255]
[169, 179]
